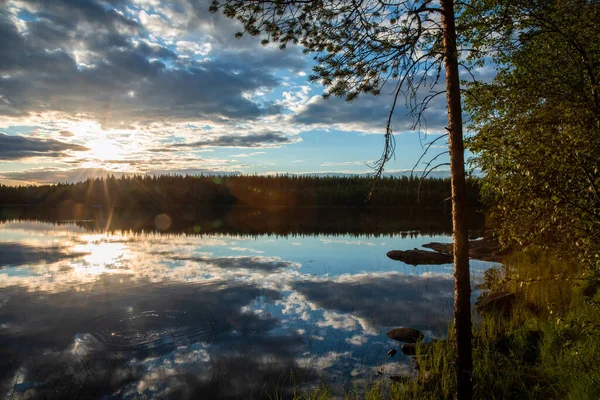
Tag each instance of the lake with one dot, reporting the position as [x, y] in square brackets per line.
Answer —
[130, 314]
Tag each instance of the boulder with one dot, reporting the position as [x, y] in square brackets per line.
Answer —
[500, 302]
[420, 257]
[407, 335]
[486, 249]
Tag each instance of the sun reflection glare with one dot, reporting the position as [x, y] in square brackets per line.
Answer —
[102, 256]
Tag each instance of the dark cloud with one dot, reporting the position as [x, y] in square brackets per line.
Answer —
[19, 147]
[86, 59]
[370, 112]
[256, 140]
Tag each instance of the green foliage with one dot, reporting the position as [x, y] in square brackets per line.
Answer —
[537, 126]
[547, 348]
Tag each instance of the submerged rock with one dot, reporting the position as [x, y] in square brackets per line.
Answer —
[501, 302]
[420, 257]
[407, 335]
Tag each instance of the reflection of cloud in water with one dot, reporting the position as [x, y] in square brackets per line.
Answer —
[132, 336]
[190, 315]
[322, 362]
[348, 242]
[81, 259]
[250, 263]
[16, 254]
[381, 300]
[246, 250]
[338, 321]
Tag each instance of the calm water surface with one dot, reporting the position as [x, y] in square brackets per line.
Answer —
[123, 315]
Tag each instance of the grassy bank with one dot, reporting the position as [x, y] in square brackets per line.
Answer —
[545, 346]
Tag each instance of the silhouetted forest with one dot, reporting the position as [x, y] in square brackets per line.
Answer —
[280, 205]
[166, 192]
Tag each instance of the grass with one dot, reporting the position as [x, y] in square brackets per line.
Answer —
[548, 347]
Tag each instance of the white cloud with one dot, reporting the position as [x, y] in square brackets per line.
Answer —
[195, 48]
[356, 340]
[335, 164]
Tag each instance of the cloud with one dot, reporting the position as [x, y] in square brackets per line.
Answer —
[369, 113]
[268, 139]
[53, 175]
[86, 60]
[20, 147]
[74, 175]
[243, 155]
[195, 171]
[335, 164]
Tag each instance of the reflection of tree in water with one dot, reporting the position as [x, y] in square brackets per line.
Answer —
[259, 221]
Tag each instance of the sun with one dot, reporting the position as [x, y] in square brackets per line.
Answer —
[104, 149]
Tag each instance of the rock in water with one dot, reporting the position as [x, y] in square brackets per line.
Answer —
[486, 249]
[407, 335]
[420, 257]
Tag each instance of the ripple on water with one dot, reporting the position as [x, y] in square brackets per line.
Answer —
[130, 331]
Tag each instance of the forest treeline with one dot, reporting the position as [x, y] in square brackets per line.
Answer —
[167, 192]
[247, 205]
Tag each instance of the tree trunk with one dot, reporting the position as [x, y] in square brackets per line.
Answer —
[462, 283]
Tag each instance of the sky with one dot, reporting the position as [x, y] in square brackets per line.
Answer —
[92, 87]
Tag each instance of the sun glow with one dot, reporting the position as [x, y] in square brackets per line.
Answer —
[105, 149]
